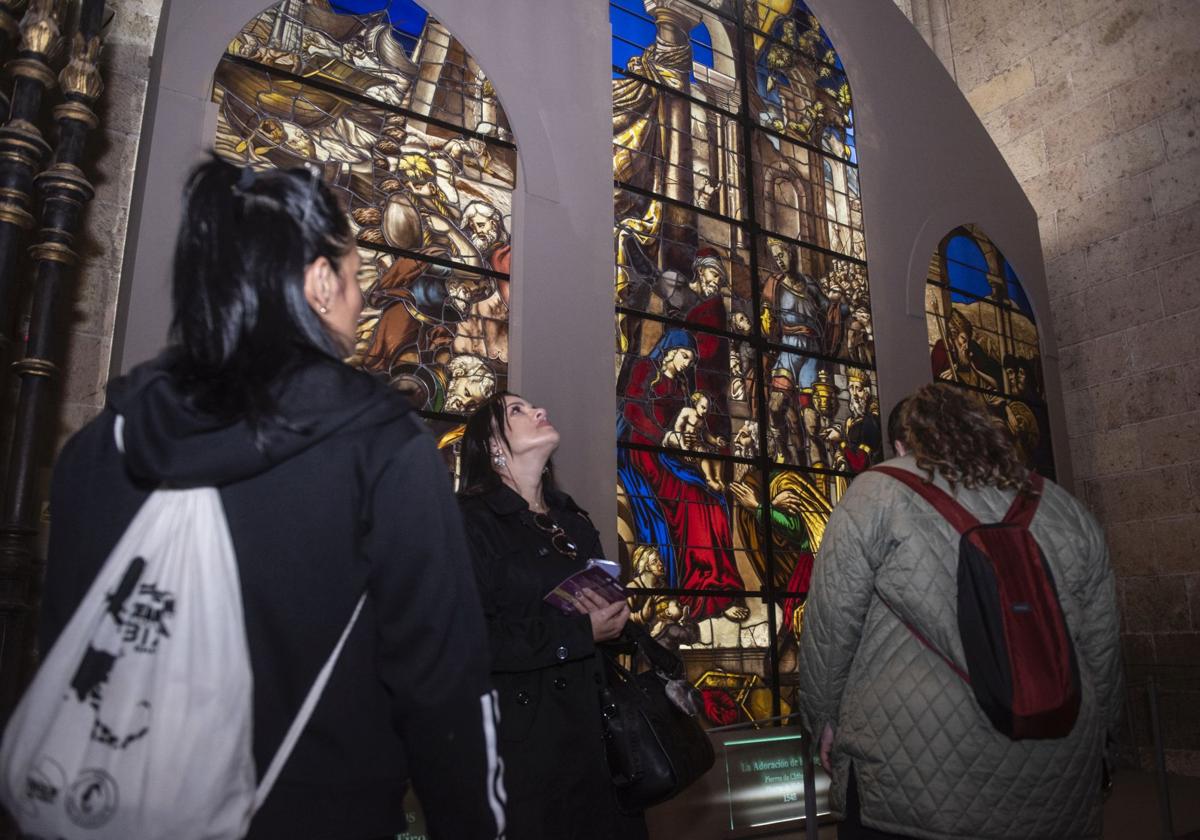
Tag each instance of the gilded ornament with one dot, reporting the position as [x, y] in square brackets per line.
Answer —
[32, 68]
[31, 366]
[72, 110]
[21, 134]
[81, 76]
[55, 252]
[12, 215]
[40, 32]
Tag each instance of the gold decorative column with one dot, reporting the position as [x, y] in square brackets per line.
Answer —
[63, 192]
[23, 149]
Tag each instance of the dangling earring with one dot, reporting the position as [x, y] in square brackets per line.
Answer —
[499, 461]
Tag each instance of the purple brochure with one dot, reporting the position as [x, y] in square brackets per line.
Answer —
[594, 578]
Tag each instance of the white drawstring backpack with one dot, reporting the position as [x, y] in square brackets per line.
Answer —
[138, 722]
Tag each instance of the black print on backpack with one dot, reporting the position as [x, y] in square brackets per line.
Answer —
[93, 798]
[43, 785]
[135, 622]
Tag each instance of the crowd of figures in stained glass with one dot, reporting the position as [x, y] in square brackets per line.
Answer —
[745, 348]
[401, 122]
[982, 337]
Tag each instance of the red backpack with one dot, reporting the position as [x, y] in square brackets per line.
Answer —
[1019, 656]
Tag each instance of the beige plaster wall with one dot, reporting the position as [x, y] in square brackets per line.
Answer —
[1096, 106]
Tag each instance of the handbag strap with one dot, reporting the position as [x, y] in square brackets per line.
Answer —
[660, 658]
[306, 709]
[613, 671]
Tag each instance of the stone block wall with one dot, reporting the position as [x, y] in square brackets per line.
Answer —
[125, 64]
[1096, 106]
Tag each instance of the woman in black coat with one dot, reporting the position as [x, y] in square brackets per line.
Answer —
[526, 536]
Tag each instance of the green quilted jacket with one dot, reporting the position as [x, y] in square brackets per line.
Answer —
[927, 760]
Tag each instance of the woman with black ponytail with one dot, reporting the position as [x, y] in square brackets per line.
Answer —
[331, 488]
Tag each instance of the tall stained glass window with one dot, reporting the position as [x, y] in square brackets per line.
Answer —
[983, 338]
[404, 126]
[745, 353]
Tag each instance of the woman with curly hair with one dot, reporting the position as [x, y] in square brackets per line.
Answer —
[911, 752]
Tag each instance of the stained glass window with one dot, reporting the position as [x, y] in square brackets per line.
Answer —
[983, 338]
[408, 131]
[745, 352]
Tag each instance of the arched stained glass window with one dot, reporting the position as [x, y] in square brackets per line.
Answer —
[982, 337]
[745, 365]
[403, 125]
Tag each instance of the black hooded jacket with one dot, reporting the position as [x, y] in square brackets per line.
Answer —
[351, 496]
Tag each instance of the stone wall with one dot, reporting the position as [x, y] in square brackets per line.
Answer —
[1096, 106]
[125, 64]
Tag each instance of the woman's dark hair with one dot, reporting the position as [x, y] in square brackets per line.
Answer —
[240, 317]
[477, 473]
[894, 433]
[949, 432]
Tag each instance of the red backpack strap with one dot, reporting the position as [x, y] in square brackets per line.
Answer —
[942, 502]
[1025, 505]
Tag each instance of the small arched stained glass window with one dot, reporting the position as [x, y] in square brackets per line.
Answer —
[983, 338]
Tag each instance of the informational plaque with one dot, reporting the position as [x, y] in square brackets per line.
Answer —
[415, 830]
[766, 780]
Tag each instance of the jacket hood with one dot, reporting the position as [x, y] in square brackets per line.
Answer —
[167, 440]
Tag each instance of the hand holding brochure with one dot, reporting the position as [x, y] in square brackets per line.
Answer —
[594, 578]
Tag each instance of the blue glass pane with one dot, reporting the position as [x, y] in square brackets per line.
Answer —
[966, 268]
[408, 18]
[358, 7]
[1015, 292]
[632, 30]
[962, 249]
[702, 45]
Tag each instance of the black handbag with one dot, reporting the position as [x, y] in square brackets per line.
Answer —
[652, 735]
